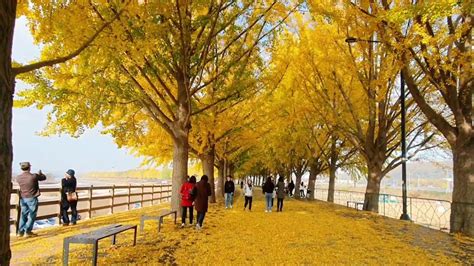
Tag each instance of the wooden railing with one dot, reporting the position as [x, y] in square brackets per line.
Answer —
[98, 200]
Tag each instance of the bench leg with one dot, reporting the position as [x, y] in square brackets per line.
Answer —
[113, 239]
[175, 217]
[65, 253]
[94, 253]
[135, 236]
[160, 221]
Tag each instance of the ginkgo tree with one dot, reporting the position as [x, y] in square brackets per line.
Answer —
[9, 11]
[433, 42]
[157, 59]
[362, 78]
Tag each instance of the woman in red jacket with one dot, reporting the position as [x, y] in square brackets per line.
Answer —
[188, 193]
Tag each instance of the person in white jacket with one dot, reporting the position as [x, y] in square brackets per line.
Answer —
[248, 193]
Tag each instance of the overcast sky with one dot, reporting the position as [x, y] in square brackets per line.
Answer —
[91, 152]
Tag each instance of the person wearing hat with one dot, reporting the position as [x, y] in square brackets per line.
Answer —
[69, 197]
[29, 193]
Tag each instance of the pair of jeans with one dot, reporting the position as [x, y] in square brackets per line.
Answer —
[65, 205]
[183, 214]
[268, 200]
[301, 193]
[200, 218]
[279, 204]
[29, 209]
[248, 200]
[229, 199]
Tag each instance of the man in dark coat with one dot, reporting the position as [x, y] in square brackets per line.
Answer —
[203, 189]
[291, 186]
[229, 189]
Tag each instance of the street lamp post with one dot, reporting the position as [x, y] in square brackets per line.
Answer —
[404, 215]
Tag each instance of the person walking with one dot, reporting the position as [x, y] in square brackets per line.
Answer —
[241, 184]
[29, 193]
[248, 193]
[229, 189]
[302, 190]
[280, 193]
[188, 193]
[291, 186]
[267, 189]
[69, 197]
[203, 189]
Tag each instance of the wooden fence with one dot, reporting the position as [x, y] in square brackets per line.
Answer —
[93, 200]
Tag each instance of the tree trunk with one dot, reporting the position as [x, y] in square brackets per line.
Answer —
[7, 87]
[332, 168]
[207, 161]
[180, 167]
[221, 178]
[462, 206]
[332, 182]
[297, 184]
[371, 201]
[313, 173]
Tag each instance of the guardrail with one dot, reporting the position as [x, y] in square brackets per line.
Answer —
[93, 200]
[431, 213]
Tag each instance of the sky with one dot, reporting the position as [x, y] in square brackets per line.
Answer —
[90, 152]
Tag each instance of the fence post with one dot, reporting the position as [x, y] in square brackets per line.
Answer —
[153, 194]
[113, 200]
[141, 203]
[128, 200]
[90, 201]
[60, 208]
[383, 199]
[161, 192]
[18, 211]
[410, 209]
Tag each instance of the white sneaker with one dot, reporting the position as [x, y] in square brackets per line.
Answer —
[182, 225]
[231, 206]
[270, 211]
[198, 227]
[266, 210]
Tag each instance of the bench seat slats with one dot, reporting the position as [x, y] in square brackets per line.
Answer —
[100, 233]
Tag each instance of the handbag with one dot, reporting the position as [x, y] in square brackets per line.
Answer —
[71, 196]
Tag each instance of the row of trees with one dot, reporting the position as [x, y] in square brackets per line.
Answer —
[252, 87]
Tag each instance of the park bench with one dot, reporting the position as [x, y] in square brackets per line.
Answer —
[356, 204]
[94, 237]
[158, 218]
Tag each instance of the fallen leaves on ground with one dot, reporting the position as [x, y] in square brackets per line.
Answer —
[304, 233]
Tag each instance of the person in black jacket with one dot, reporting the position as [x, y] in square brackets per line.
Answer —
[68, 186]
[229, 189]
[291, 186]
[267, 189]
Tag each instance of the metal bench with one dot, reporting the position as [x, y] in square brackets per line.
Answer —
[94, 237]
[158, 218]
[356, 204]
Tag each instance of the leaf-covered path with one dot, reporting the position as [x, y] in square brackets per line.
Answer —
[305, 233]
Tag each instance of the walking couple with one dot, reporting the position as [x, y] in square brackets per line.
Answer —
[195, 195]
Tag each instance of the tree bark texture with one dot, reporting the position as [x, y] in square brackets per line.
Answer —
[371, 201]
[207, 161]
[462, 207]
[7, 88]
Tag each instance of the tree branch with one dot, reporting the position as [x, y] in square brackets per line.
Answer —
[37, 65]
